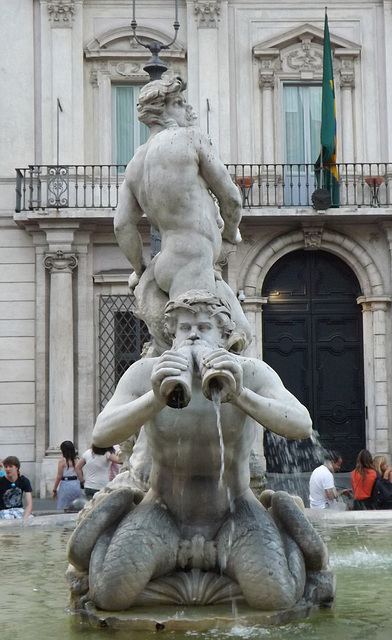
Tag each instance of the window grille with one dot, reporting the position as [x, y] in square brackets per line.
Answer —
[121, 339]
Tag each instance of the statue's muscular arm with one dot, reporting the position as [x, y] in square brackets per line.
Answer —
[126, 218]
[260, 393]
[134, 403]
[218, 180]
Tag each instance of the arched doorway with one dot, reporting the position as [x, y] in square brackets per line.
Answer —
[312, 337]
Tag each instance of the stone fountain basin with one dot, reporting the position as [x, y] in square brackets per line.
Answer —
[360, 530]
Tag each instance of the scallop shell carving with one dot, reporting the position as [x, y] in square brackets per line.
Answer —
[193, 587]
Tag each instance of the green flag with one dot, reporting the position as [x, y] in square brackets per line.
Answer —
[326, 169]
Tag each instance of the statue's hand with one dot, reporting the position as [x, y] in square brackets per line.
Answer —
[134, 278]
[227, 247]
[232, 236]
[133, 281]
[170, 363]
[220, 359]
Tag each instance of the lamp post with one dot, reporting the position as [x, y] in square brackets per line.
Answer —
[155, 67]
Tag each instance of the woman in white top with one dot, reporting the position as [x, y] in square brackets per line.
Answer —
[95, 463]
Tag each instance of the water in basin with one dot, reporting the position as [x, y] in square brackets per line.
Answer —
[34, 592]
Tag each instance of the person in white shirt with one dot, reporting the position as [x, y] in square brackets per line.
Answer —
[95, 463]
[322, 491]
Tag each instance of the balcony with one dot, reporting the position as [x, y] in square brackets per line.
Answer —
[43, 187]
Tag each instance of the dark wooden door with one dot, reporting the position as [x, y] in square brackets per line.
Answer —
[312, 337]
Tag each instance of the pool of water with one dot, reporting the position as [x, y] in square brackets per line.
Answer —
[34, 594]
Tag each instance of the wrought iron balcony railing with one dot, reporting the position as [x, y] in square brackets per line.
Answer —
[262, 185]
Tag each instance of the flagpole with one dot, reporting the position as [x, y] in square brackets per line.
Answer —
[59, 108]
[327, 192]
[321, 154]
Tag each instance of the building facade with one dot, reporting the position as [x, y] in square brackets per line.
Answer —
[315, 283]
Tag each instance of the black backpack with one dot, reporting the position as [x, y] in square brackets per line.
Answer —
[382, 494]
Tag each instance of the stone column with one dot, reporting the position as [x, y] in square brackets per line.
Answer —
[209, 61]
[61, 349]
[387, 44]
[375, 314]
[253, 308]
[347, 85]
[387, 226]
[266, 83]
[268, 62]
[253, 311]
[85, 364]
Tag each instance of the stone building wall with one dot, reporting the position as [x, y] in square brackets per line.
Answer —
[236, 56]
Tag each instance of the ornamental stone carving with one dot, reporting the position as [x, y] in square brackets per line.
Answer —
[94, 77]
[312, 237]
[306, 58]
[61, 11]
[60, 261]
[266, 80]
[207, 13]
[347, 80]
[346, 60]
[130, 69]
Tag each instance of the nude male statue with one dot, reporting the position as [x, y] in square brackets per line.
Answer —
[199, 511]
[169, 179]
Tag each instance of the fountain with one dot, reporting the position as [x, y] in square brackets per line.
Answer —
[198, 552]
[34, 594]
[199, 537]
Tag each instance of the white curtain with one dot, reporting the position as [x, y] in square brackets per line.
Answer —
[302, 121]
[128, 132]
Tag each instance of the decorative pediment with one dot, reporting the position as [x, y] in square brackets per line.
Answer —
[298, 35]
[299, 52]
[120, 43]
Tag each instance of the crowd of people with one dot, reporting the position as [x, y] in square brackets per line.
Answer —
[371, 484]
[371, 481]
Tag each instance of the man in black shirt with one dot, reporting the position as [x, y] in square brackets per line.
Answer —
[12, 487]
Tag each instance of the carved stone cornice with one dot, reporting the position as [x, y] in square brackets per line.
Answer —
[374, 303]
[61, 12]
[207, 13]
[60, 262]
[127, 69]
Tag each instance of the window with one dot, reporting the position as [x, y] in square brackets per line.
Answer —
[302, 109]
[302, 123]
[121, 339]
[128, 132]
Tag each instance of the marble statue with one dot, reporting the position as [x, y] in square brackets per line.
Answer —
[199, 513]
[171, 179]
[192, 531]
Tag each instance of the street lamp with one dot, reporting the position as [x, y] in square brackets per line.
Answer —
[155, 66]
